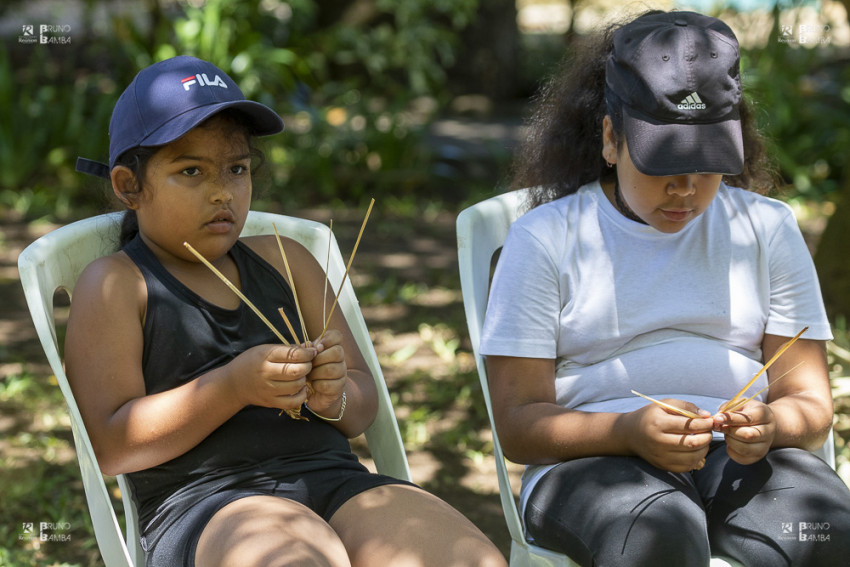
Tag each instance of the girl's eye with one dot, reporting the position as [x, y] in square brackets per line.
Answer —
[239, 169]
[191, 171]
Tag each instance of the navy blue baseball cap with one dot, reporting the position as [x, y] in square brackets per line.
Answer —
[676, 77]
[168, 99]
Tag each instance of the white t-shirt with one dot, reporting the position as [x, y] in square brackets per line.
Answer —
[622, 306]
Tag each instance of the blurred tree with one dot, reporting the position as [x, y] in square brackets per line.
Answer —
[802, 100]
[831, 258]
[357, 81]
[489, 54]
[832, 253]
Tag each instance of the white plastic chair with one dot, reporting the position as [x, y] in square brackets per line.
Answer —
[481, 231]
[54, 262]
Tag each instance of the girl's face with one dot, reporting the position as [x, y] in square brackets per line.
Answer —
[196, 189]
[667, 203]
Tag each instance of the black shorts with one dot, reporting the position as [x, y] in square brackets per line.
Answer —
[323, 491]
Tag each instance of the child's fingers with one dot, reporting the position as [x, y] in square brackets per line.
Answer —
[678, 458]
[332, 337]
[749, 431]
[331, 355]
[732, 419]
[746, 445]
[675, 423]
[289, 389]
[329, 364]
[328, 387]
[291, 401]
[751, 413]
[291, 353]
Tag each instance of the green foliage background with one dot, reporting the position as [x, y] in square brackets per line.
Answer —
[357, 82]
[356, 90]
[804, 99]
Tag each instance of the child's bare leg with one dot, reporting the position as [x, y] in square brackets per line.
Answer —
[404, 526]
[270, 532]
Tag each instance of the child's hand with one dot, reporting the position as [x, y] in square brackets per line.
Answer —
[272, 375]
[749, 431]
[328, 376]
[670, 441]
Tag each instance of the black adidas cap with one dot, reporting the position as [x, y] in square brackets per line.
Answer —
[676, 76]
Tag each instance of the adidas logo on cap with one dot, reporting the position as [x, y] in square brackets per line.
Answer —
[691, 102]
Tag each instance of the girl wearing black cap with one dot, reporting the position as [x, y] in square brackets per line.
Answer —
[182, 388]
[641, 267]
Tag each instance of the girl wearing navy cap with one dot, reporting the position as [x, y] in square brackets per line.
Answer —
[642, 266]
[182, 388]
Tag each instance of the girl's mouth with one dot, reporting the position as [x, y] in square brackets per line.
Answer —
[676, 215]
[222, 222]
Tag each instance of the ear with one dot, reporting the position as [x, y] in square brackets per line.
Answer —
[125, 186]
[609, 141]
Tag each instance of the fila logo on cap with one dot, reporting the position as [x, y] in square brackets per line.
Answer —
[202, 80]
[691, 102]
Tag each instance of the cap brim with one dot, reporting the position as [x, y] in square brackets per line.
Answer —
[262, 121]
[660, 149]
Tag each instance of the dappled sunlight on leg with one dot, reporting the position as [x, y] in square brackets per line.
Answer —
[405, 526]
[270, 532]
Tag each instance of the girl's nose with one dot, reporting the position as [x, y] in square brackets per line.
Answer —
[221, 193]
[222, 188]
[681, 185]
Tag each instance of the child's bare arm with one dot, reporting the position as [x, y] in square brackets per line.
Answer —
[131, 430]
[533, 429]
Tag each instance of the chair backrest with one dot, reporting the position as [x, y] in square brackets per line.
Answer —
[481, 232]
[55, 261]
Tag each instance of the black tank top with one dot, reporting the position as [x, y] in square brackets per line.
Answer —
[186, 336]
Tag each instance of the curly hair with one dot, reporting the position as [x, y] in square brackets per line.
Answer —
[563, 148]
